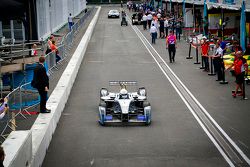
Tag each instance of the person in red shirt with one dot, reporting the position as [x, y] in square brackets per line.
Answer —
[34, 50]
[240, 67]
[55, 50]
[204, 52]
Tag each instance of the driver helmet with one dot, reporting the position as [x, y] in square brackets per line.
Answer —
[123, 91]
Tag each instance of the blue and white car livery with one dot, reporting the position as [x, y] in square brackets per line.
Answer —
[124, 106]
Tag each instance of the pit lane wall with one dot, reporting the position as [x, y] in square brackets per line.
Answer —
[28, 148]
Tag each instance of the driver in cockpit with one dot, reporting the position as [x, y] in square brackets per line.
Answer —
[123, 94]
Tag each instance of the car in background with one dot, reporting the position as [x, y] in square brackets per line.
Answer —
[136, 18]
[113, 14]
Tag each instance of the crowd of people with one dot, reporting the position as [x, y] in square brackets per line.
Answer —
[165, 25]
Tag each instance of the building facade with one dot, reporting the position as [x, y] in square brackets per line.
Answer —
[24, 20]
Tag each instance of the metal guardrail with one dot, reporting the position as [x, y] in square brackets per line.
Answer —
[24, 97]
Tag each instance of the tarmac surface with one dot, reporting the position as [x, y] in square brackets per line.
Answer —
[174, 138]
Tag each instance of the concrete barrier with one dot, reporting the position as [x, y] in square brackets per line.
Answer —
[18, 149]
[45, 124]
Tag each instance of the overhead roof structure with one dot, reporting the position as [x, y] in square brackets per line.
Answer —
[12, 8]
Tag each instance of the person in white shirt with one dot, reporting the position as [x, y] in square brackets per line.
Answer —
[149, 19]
[158, 16]
[166, 25]
[153, 32]
[156, 24]
[217, 61]
[144, 21]
[70, 21]
[159, 10]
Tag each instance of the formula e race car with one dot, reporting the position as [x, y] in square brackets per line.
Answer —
[124, 106]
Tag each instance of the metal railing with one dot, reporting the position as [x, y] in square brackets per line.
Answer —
[25, 97]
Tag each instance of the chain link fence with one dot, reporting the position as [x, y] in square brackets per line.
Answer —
[25, 97]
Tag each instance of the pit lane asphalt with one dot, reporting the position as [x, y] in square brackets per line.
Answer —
[173, 139]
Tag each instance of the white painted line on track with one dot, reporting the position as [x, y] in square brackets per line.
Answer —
[189, 107]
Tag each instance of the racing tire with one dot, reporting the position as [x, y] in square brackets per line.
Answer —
[101, 120]
[148, 118]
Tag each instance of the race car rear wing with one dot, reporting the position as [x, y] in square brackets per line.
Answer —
[122, 83]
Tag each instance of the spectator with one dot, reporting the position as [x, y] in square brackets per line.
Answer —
[34, 50]
[178, 29]
[217, 60]
[204, 52]
[41, 83]
[3, 107]
[236, 47]
[144, 21]
[139, 17]
[171, 46]
[55, 50]
[155, 22]
[51, 38]
[153, 32]
[240, 67]
[70, 21]
[2, 156]
[162, 28]
[121, 4]
[223, 45]
[166, 25]
[158, 16]
[149, 19]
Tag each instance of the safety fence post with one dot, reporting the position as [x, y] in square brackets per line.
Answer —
[189, 52]
[223, 73]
